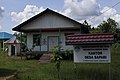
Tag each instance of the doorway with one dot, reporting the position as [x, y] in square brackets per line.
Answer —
[52, 41]
[12, 50]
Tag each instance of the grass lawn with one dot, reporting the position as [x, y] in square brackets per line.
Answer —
[33, 70]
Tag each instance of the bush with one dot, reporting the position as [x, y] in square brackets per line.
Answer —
[67, 54]
[116, 46]
[115, 49]
[56, 57]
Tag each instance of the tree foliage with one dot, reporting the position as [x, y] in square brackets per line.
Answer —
[94, 30]
[87, 27]
[68, 53]
[108, 26]
[21, 38]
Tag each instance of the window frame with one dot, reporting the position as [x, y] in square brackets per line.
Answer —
[36, 39]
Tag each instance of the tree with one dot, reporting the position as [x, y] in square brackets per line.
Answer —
[21, 38]
[108, 26]
[94, 30]
[56, 57]
[88, 27]
[68, 53]
[117, 36]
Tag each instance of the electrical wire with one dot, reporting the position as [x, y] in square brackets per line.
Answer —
[105, 11]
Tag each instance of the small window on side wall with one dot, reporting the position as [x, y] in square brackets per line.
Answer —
[36, 39]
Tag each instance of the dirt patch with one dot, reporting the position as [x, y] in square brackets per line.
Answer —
[8, 77]
[6, 74]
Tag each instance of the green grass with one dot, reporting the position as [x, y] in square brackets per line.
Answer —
[33, 70]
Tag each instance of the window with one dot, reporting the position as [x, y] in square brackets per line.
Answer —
[36, 39]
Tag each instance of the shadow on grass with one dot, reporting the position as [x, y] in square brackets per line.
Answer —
[6, 72]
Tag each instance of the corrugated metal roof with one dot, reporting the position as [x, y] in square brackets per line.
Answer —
[5, 35]
[12, 41]
[90, 38]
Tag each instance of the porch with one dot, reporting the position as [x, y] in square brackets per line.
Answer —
[45, 41]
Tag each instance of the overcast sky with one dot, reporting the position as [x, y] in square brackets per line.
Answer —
[13, 12]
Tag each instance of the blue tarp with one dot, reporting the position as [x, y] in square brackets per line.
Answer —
[5, 35]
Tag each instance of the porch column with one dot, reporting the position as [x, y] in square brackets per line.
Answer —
[26, 41]
[20, 42]
[59, 40]
[40, 38]
[59, 37]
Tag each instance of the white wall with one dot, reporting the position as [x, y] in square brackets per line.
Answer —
[29, 40]
[9, 50]
[44, 36]
[17, 49]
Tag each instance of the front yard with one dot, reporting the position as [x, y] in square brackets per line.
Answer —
[33, 70]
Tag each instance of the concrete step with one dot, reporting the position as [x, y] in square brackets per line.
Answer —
[45, 58]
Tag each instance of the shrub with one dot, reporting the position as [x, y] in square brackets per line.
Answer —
[56, 57]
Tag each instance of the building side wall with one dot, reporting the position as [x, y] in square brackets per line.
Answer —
[9, 50]
[17, 49]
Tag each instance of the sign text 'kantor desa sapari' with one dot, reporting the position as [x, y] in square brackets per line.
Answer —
[97, 54]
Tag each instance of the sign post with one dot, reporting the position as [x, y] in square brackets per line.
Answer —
[109, 71]
[92, 54]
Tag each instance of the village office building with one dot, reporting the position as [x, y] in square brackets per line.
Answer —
[48, 29]
[91, 48]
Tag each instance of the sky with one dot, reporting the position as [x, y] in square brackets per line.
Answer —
[14, 12]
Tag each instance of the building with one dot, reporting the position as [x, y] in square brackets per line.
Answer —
[48, 29]
[13, 46]
[3, 37]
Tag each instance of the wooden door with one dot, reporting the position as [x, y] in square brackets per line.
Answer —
[12, 50]
[52, 41]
